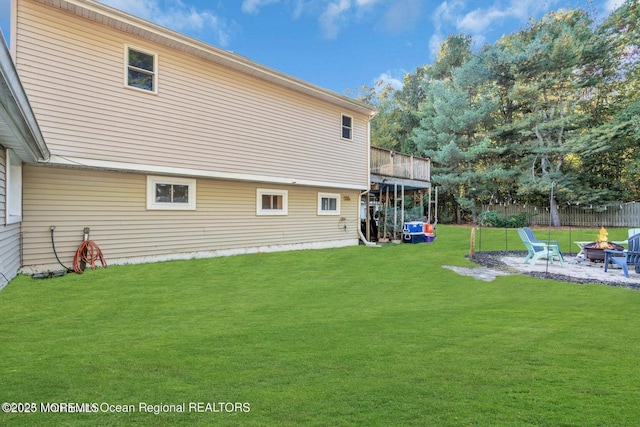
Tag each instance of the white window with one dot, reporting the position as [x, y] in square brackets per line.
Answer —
[347, 127]
[271, 202]
[328, 204]
[141, 69]
[171, 193]
[13, 206]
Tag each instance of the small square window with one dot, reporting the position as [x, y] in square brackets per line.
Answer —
[328, 204]
[271, 202]
[141, 72]
[171, 193]
[347, 127]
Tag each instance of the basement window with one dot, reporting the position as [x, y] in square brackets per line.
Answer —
[271, 202]
[170, 193]
[142, 70]
[328, 204]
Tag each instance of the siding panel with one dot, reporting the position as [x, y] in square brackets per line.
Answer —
[204, 117]
[113, 206]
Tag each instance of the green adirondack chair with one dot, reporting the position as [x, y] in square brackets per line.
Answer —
[538, 249]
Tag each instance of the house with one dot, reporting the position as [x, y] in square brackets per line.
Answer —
[169, 148]
[20, 141]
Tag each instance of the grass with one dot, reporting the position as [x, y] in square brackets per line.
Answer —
[351, 336]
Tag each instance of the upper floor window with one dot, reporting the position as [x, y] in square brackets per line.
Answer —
[272, 202]
[142, 70]
[171, 193]
[347, 127]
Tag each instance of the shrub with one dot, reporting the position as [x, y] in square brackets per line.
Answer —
[495, 219]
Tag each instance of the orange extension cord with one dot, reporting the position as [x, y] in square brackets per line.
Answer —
[88, 252]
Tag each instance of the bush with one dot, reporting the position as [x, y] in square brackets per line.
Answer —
[495, 219]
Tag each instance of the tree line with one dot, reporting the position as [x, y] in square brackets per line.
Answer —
[553, 108]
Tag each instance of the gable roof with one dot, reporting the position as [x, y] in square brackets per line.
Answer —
[115, 18]
[19, 129]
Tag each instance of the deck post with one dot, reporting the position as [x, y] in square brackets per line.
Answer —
[395, 210]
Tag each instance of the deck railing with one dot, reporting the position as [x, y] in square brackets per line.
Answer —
[390, 163]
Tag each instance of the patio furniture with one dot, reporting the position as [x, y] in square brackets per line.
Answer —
[631, 232]
[581, 245]
[533, 239]
[626, 257]
[539, 249]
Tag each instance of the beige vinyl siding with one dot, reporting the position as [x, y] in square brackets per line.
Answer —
[113, 206]
[9, 234]
[204, 116]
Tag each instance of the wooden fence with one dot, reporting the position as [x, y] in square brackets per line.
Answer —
[618, 215]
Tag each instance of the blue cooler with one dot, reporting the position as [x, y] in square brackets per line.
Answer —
[414, 227]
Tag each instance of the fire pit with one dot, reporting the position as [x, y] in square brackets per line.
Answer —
[594, 251]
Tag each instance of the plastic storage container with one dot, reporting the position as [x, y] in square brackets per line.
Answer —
[414, 227]
[414, 237]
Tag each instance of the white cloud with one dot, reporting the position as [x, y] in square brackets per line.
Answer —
[393, 79]
[451, 16]
[334, 17]
[479, 20]
[176, 15]
[403, 15]
[435, 41]
[253, 6]
[611, 5]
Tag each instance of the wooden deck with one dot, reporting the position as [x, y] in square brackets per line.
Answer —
[397, 165]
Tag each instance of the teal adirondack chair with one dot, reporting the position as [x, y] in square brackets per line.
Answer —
[538, 249]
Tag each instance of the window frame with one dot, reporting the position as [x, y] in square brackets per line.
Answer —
[349, 128]
[152, 204]
[13, 189]
[272, 192]
[127, 66]
[329, 196]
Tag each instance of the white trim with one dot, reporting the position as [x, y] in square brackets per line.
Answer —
[13, 182]
[128, 47]
[169, 170]
[152, 204]
[271, 192]
[40, 268]
[328, 196]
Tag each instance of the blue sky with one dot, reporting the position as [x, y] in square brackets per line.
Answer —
[341, 44]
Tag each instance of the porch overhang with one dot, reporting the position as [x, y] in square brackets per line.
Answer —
[381, 181]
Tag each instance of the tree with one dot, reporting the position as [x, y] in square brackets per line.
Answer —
[454, 119]
[541, 78]
[616, 170]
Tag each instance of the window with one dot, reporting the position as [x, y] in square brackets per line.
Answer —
[13, 207]
[328, 204]
[142, 70]
[171, 193]
[271, 202]
[347, 127]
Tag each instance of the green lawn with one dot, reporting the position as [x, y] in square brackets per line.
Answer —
[352, 336]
